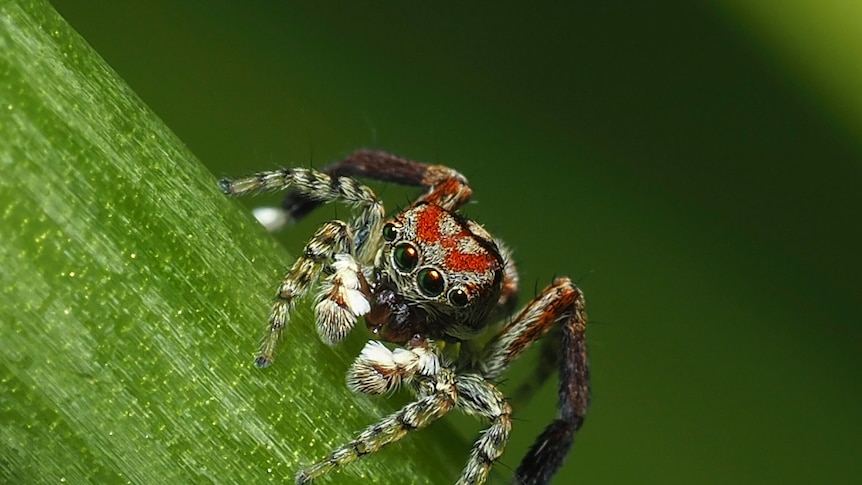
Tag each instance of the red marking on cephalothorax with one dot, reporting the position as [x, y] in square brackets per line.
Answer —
[428, 225]
[474, 263]
[430, 230]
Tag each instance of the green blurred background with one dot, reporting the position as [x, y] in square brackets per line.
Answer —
[695, 168]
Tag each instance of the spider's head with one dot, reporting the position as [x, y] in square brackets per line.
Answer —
[438, 275]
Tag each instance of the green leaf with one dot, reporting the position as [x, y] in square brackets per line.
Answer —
[134, 295]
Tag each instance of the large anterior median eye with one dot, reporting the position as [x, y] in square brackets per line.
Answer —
[430, 281]
[405, 256]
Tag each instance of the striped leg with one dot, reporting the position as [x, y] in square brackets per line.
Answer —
[322, 188]
[446, 187]
[480, 397]
[332, 238]
[416, 415]
[335, 242]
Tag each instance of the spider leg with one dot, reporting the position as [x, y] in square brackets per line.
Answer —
[385, 167]
[549, 361]
[332, 237]
[321, 188]
[377, 370]
[561, 302]
[341, 301]
[478, 396]
[415, 415]
[448, 188]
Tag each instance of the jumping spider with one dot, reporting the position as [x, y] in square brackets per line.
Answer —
[430, 281]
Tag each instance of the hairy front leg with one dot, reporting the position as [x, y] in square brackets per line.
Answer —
[321, 188]
[480, 397]
[415, 415]
[332, 238]
[446, 187]
[342, 301]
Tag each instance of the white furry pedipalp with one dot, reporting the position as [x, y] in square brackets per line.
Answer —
[378, 370]
[341, 299]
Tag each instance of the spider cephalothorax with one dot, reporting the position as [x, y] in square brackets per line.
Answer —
[437, 274]
[425, 277]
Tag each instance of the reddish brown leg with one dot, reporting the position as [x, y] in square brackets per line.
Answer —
[561, 302]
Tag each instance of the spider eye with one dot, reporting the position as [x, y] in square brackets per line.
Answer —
[430, 282]
[458, 297]
[390, 232]
[406, 257]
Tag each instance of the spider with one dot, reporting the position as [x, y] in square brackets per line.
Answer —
[431, 282]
